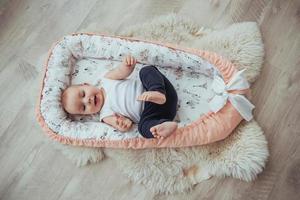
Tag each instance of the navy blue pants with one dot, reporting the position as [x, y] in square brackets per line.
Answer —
[154, 114]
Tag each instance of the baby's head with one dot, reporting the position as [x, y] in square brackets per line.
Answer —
[82, 99]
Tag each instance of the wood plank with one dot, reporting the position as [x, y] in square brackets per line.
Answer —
[31, 169]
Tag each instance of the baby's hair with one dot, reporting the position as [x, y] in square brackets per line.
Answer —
[64, 95]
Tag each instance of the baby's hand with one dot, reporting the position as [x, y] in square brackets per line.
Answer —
[123, 123]
[129, 61]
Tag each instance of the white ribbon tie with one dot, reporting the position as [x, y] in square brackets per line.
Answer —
[239, 102]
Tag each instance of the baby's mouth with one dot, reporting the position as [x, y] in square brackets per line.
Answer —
[95, 100]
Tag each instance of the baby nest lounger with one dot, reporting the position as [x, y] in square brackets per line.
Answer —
[211, 100]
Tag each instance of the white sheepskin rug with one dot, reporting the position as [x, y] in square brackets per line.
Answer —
[242, 155]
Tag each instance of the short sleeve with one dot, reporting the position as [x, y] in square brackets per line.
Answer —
[105, 112]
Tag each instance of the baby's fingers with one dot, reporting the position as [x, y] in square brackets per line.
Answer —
[122, 123]
[128, 60]
[125, 60]
[119, 121]
[131, 60]
[134, 62]
[128, 123]
[124, 126]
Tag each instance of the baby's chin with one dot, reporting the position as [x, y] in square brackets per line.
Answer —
[98, 110]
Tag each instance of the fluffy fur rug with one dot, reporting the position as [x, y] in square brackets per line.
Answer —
[242, 155]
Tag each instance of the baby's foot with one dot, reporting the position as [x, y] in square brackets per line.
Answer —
[153, 96]
[163, 130]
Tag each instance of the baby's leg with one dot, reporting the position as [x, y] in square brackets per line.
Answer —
[146, 123]
[169, 110]
[161, 128]
[157, 120]
[153, 82]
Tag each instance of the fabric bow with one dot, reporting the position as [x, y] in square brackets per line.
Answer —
[239, 102]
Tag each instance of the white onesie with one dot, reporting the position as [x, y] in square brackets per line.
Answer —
[121, 98]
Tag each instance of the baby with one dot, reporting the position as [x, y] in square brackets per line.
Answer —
[150, 101]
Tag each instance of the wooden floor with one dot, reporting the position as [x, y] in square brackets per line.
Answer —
[31, 169]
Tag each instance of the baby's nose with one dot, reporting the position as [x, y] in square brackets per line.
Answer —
[88, 100]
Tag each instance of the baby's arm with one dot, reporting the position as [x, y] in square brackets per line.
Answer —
[120, 123]
[123, 70]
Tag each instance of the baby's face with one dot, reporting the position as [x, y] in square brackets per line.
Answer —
[83, 99]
